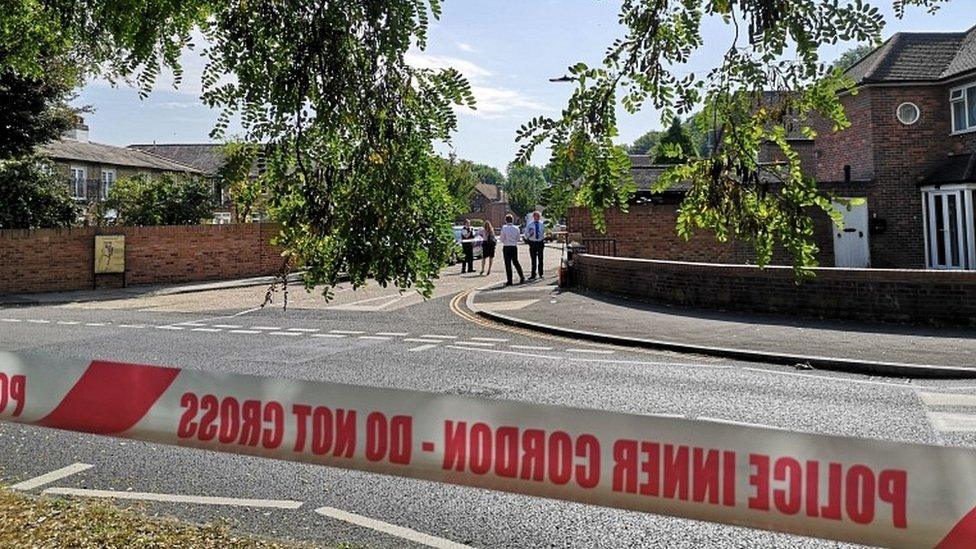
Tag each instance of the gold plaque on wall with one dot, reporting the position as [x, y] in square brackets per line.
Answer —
[109, 253]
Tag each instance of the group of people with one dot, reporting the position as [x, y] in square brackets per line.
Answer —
[509, 236]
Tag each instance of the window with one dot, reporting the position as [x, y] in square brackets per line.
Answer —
[221, 218]
[108, 179]
[79, 177]
[908, 113]
[963, 103]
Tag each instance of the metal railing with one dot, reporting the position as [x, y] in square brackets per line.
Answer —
[598, 246]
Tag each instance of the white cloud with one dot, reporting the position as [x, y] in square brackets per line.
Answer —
[471, 71]
[464, 46]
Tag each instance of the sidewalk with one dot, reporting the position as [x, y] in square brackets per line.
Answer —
[144, 290]
[886, 349]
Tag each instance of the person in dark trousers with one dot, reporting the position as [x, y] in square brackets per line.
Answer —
[488, 242]
[535, 235]
[510, 240]
[467, 246]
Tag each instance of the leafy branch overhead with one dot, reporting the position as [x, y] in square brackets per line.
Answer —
[769, 83]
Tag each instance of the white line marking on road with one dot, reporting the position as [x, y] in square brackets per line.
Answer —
[393, 334]
[177, 498]
[419, 340]
[474, 343]
[495, 339]
[15, 320]
[244, 332]
[38, 321]
[205, 330]
[591, 351]
[530, 348]
[950, 422]
[391, 529]
[169, 327]
[48, 478]
[190, 324]
[947, 399]
[435, 336]
[379, 338]
[137, 326]
[597, 360]
[227, 326]
[833, 378]
[246, 312]
[94, 324]
[733, 422]
[347, 332]
[419, 348]
[67, 322]
[265, 327]
[333, 336]
[292, 334]
[306, 330]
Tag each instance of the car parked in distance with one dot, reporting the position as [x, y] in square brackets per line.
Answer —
[458, 253]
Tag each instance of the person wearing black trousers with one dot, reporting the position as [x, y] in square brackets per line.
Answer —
[535, 235]
[510, 238]
[467, 246]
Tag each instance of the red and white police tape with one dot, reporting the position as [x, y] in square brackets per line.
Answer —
[867, 491]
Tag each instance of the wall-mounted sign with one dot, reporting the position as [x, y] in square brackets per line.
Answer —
[109, 253]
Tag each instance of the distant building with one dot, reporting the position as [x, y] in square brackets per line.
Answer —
[90, 169]
[488, 203]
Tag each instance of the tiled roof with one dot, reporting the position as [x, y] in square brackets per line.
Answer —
[957, 168]
[98, 153]
[491, 192]
[918, 57]
[206, 157]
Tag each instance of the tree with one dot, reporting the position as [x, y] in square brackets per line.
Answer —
[850, 57]
[773, 46]
[34, 111]
[235, 176]
[460, 178]
[525, 185]
[165, 199]
[488, 174]
[33, 197]
[645, 144]
[675, 145]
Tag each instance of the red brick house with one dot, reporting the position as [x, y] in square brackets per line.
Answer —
[488, 203]
[910, 153]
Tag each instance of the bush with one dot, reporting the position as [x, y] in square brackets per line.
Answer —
[33, 197]
[166, 199]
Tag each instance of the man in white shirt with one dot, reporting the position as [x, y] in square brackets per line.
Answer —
[510, 238]
[535, 235]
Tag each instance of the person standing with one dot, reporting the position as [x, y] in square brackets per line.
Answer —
[510, 239]
[488, 242]
[467, 247]
[535, 235]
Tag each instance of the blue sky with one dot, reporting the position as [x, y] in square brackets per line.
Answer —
[507, 48]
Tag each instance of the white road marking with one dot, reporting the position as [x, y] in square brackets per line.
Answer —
[94, 324]
[228, 326]
[177, 498]
[947, 399]
[474, 343]
[169, 327]
[244, 332]
[380, 338]
[306, 330]
[597, 360]
[265, 327]
[419, 348]
[14, 320]
[67, 322]
[137, 326]
[48, 478]
[591, 351]
[38, 321]
[246, 312]
[951, 422]
[419, 340]
[439, 336]
[347, 332]
[495, 339]
[833, 378]
[205, 330]
[293, 334]
[393, 334]
[361, 305]
[190, 324]
[333, 336]
[391, 529]
[733, 422]
[530, 348]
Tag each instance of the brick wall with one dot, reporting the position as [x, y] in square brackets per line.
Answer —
[50, 260]
[937, 297]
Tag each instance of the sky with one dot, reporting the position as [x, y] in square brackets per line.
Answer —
[508, 49]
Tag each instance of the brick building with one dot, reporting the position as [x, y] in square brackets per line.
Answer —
[910, 153]
[488, 203]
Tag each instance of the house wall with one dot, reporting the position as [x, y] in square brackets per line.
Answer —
[49, 260]
[486, 209]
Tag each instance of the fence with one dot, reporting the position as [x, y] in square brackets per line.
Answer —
[599, 246]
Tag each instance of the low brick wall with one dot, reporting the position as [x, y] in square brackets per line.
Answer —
[936, 297]
[50, 260]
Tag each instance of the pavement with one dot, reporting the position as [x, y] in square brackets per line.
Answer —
[369, 336]
[886, 349]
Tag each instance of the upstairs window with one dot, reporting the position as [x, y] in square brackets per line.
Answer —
[963, 103]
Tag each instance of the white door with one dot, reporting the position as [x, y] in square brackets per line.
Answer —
[851, 242]
[948, 224]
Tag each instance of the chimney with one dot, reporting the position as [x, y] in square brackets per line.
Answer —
[498, 193]
[79, 132]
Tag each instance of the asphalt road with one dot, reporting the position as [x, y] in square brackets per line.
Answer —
[369, 343]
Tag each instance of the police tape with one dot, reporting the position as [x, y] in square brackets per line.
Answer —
[848, 489]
